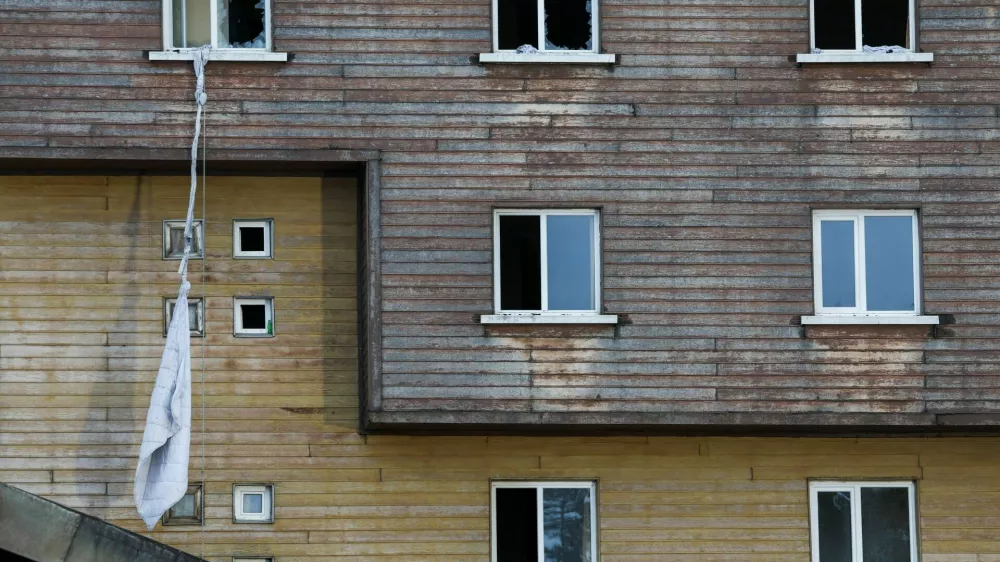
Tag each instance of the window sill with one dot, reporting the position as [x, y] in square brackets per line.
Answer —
[222, 55]
[549, 319]
[845, 320]
[534, 58]
[863, 57]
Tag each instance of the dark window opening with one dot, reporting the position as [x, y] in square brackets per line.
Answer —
[520, 263]
[246, 24]
[253, 316]
[252, 238]
[517, 524]
[834, 24]
[885, 23]
[567, 25]
[517, 23]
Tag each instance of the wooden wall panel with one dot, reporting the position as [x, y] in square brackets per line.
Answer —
[80, 304]
[706, 147]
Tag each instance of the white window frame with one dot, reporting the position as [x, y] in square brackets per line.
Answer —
[854, 488]
[860, 313]
[592, 316]
[267, 225]
[541, 485]
[266, 492]
[196, 236]
[240, 332]
[170, 52]
[592, 55]
[857, 54]
[169, 303]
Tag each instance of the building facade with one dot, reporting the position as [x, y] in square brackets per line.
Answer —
[720, 291]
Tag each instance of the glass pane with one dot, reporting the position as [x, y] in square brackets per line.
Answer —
[567, 25]
[192, 23]
[184, 508]
[517, 23]
[834, 24]
[834, 526]
[889, 263]
[567, 524]
[837, 239]
[885, 23]
[517, 524]
[253, 503]
[885, 524]
[520, 263]
[571, 262]
[193, 315]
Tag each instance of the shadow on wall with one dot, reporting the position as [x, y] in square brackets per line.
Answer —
[122, 331]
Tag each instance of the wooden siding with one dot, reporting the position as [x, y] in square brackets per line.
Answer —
[706, 148]
[81, 290]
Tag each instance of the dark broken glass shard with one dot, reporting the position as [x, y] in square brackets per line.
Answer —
[246, 24]
[834, 24]
[517, 23]
[567, 25]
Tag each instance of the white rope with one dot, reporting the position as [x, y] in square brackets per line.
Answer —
[204, 309]
[200, 59]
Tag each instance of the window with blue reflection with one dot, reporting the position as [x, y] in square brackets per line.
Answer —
[567, 524]
[837, 258]
[889, 263]
[570, 247]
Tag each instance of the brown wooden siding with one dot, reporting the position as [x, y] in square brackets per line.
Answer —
[81, 335]
[706, 148]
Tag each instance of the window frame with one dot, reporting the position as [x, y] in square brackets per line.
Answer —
[197, 236]
[240, 332]
[854, 487]
[858, 39]
[168, 29]
[595, 28]
[540, 486]
[858, 54]
[592, 55]
[198, 490]
[169, 302]
[267, 503]
[596, 253]
[267, 225]
[857, 216]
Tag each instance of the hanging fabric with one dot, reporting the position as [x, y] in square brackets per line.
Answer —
[161, 478]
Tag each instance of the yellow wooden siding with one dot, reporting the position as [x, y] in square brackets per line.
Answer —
[81, 289]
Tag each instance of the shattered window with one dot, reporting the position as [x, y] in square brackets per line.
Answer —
[530, 26]
[223, 24]
[886, 26]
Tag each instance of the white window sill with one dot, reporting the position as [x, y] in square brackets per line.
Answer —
[549, 319]
[846, 320]
[224, 55]
[863, 57]
[556, 57]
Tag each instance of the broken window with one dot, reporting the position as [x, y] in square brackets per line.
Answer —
[870, 26]
[530, 26]
[544, 522]
[223, 24]
[253, 317]
[547, 261]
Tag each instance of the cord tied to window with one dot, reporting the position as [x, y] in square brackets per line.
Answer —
[200, 58]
